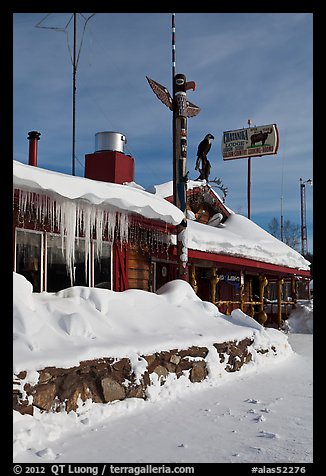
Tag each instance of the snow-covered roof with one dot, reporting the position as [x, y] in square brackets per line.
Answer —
[165, 190]
[123, 197]
[238, 236]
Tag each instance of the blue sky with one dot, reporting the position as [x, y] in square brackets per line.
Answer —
[245, 65]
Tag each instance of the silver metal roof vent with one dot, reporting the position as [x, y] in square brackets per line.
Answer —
[108, 140]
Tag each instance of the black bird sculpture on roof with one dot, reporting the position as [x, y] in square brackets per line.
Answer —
[203, 148]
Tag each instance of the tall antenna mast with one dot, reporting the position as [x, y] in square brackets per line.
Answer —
[173, 50]
[74, 70]
[74, 61]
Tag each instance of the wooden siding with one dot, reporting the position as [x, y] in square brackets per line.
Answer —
[139, 270]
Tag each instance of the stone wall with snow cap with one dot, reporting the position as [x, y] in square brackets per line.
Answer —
[104, 345]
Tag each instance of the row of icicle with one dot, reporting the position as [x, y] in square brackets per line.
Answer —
[78, 218]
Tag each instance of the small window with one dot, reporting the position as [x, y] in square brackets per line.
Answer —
[28, 256]
[57, 272]
[103, 266]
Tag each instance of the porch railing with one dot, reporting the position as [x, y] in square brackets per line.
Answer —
[268, 307]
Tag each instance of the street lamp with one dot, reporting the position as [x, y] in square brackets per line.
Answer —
[304, 237]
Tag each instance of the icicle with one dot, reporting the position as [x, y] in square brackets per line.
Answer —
[123, 228]
[99, 231]
[74, 219]
[68, 229]
[111, 221]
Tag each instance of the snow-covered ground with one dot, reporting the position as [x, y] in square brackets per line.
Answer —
[262, 416]
[263, 413]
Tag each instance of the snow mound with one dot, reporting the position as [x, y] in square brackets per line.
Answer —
[80, 323]
[240, 318]
[177, 292]
[301, 318]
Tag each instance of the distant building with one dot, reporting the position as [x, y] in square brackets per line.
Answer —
[104, 230]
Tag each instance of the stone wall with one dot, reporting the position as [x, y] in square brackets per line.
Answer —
[107, 379]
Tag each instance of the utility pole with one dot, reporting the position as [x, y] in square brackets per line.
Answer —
[282, 225]
[304, 237]
[249, 180]
[282, 186]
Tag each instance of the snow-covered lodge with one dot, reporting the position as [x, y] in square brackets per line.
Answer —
[104, 230]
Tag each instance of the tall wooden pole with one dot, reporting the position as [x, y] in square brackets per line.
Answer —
[181, 109]
[180, 173]
[179, 160]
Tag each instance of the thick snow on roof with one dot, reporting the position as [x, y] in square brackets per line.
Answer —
[241, 237]
[238, 236]
[123, 197]
[165, 190]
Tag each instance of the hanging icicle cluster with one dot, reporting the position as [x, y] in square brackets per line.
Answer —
[77, 218]
[149, 238]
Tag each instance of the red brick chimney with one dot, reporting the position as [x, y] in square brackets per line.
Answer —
[109, 163]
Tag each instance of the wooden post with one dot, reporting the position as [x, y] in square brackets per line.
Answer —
[251, 310]
[241, 291]
[263, 281]
[214, 280]
[294, 289]
[261, 315]
[193, 281]
[309, 292]
[279, 301]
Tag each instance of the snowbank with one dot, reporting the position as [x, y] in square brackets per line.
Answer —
[300, 320]
[81, 323]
